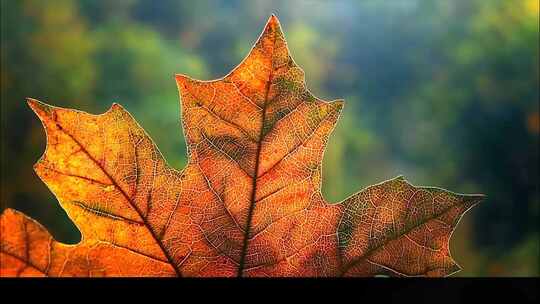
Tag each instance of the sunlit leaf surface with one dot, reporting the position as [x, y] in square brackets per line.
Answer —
[247, 204]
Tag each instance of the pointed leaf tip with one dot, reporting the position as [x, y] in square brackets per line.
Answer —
[180, 77]
[116, 106]
[7, 212]
[33, 103]
[455, 268]
[339, 103]
[273, 22]
[38, 107]
[477, 198]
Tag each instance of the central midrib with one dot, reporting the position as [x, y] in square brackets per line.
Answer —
[253, 186]
[245, 243]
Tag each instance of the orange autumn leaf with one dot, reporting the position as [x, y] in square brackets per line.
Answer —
[247, 204]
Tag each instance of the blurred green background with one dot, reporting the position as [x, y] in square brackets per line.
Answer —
[443, 92]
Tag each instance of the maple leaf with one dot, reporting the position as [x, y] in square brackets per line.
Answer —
[248, 203]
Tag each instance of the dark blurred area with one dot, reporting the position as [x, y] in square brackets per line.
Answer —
[443, 92]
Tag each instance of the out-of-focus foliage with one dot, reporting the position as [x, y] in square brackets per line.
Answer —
[445, 92]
